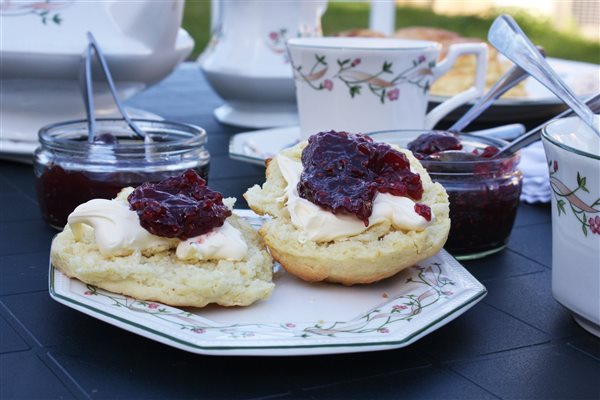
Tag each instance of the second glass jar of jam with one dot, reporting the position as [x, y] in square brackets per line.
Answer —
[70, 170]
[484, 194]
[484, 197]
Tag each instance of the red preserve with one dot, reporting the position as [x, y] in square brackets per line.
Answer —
[343, 172]
[180, 207]
[433, 142]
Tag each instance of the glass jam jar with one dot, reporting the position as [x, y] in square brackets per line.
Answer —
[69, 170]
[484, 194]
[484, 197]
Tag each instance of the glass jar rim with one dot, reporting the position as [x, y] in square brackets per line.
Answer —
[468, 167]
[454, 167]
[192, 136]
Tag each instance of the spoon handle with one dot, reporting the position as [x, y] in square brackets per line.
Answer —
[535, 134]
[511, 78]
[87, 90]
[111, 85]
[511, 41]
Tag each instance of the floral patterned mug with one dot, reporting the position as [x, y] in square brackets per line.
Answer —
[573, 155]
[366, 84]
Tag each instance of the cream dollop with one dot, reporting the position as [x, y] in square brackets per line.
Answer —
[320, 225]
[222, 243]
[118, 232]
[117, 228]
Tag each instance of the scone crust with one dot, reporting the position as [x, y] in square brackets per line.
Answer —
[375, 254]
[166, 279]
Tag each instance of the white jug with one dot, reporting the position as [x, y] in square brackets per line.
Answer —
[246, 62]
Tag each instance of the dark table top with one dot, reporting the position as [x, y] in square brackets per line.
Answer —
[517, 343]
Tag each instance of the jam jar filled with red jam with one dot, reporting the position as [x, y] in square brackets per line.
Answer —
[70, 169]
[484, 197]
[483, 193]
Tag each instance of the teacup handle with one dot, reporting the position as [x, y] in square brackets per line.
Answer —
[480, 50]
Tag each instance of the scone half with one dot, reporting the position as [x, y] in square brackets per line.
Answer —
[164, 278]
[378, 253]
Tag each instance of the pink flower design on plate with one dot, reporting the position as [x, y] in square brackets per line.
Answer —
[393, 94]
[44, 5]
[421, 59]
[595, 224]
[355, 62]
[87, 293]
[555, 165]
[198, 330]
[153, 306]
[399, 307]
[448, 293]
[290, 325]
[383, 330]
[328, 84]
[273, 35]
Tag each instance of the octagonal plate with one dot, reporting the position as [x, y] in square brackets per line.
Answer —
[300, 318]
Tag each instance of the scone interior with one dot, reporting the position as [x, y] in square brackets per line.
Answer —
[379, 252]
[164, 278]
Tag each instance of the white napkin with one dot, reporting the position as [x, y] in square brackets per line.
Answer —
[536, 182]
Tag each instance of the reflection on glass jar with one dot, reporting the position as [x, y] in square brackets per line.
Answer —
[70, 171]
[484, 197]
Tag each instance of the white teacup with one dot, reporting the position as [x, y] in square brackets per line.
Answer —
[573, 155]
[366, 84]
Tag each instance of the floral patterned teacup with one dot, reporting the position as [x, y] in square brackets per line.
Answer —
[366, 84]
[573, 155]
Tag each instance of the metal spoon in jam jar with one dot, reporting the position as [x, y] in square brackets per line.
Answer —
[86, 83]
[510, 79]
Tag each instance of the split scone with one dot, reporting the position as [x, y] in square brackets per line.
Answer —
[349, 238]
[105, 244]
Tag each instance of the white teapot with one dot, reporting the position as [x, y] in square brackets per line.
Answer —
[246, 61]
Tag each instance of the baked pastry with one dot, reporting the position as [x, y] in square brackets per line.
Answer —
[426, 33]
[361, 32]
[104, 245]
[462, 75]
[316, 249]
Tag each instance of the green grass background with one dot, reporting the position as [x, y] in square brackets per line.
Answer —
[343, 15]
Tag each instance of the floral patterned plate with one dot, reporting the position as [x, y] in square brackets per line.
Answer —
[300, 318]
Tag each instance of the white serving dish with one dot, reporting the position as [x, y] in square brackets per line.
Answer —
[142, 41]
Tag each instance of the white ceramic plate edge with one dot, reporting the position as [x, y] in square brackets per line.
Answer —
[333, 348]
